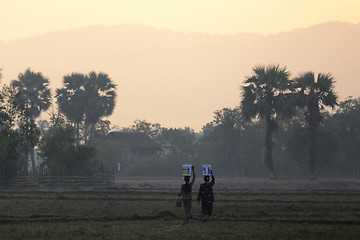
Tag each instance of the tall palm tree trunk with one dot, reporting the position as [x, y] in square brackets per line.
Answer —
[268, 149]
[86, 128]
[78, 130]
[32, 151]
[312, 151]
[92, 130]
[32, 158]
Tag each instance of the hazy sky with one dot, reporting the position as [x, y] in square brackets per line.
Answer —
[24, 18]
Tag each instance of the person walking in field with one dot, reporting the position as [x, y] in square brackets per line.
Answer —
[185, 192]
[206, 197]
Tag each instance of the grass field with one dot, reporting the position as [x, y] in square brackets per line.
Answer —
[149, 213]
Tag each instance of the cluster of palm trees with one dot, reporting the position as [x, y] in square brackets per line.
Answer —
[83, 100]
[270, 94]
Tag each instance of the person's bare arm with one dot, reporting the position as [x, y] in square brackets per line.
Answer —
[181, 191]
[212, 178]
[193, 173]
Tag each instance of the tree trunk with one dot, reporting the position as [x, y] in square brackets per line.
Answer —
[312, 151]
[268, 149]
[86, 133]
[32, 158]
[78, 131]
[32, 151]
[92, 130]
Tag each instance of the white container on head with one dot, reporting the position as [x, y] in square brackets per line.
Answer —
[206, 169]
[186, 169]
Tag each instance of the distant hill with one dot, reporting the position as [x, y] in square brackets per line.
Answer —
[179, 79]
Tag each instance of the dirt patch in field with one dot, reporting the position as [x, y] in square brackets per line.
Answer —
[245, 184]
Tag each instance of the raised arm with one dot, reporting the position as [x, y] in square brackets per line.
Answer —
[193, 173]
[212, 178]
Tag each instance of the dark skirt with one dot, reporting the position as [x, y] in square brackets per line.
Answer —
[206, 208]
[187, 207]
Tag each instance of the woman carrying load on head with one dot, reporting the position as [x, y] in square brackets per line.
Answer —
[206, 197]
[185, 192]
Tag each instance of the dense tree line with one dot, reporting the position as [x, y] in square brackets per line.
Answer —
[284, 127]
[288, 128]
[62, 142]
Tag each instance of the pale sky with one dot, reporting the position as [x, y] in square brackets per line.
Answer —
[25, 18]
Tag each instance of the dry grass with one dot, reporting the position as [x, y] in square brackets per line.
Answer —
[150, 213]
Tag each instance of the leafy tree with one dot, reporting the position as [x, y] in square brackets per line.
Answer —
[84, 163]
[297, 144]
[151, 129]
[13, 142]
[314, 94]
[228, 142]
[62, 156]
[220, 143]
[55, 150]
[345, 124]
[265, 96]
[178, 147]
[102, 128]
[33, 93]
[178, 141]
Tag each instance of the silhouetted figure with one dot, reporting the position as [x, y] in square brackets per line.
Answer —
[185, 192]
[206, 197]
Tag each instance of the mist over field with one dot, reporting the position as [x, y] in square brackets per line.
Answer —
[179, 119]
[179, 79]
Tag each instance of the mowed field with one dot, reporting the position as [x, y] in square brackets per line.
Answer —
[145, 209]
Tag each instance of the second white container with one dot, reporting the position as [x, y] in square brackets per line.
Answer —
[206, 169]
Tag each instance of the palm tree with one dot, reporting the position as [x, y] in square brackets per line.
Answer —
[100, 99]
[34, 94]
[314, 95]
[70, 99]
[87, 98]
[266, 95]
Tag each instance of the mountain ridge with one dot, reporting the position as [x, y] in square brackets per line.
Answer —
[144, 26]
[179, 79]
